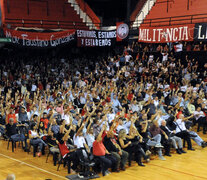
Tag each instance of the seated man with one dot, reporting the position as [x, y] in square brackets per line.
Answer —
[200, 119]
[156, 133]
[181, 130]
[194, 136]
[80, 142]
[12, 132]
[171, 135]
[22, 116]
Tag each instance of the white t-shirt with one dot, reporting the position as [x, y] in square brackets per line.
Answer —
[151, 58]
[127, 58]
[111, 117]
[67, 118]
[184, 88]
[197, 114]
[90, 139]
[33, 133]
[179, 47]
[79, 141]
[156, 103]
[164, 57]
[180, 125]
[34, 87]
[126, 74]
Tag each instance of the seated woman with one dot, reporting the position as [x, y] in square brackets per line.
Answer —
[62, 130]
[52, 143]
[68, 155]
[35, 139]
[132, 147]
[100, 152]
[41, 129]
[148, 141]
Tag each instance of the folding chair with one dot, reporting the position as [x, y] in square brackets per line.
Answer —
[86, 164]
[63, 161]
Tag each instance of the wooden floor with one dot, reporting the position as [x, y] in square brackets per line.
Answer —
[189, 166]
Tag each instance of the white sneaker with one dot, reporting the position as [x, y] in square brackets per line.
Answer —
[158, 146]
[108, 172]
[80, 176]
[162, 158]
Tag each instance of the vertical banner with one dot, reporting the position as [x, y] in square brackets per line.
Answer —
[122, 31]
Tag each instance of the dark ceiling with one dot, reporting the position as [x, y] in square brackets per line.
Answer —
[111, 11]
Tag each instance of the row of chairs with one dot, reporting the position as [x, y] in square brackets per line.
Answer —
[85, 165]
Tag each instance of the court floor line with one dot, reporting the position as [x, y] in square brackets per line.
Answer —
[62, 177]
[180, 172]
[22, 162]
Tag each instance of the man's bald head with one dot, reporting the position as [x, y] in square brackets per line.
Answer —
[10, 177]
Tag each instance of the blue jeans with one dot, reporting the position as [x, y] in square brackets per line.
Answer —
[106, 163]
[156, 141]
[18, 137]
[197, 139]
[39, 142]
[1, 130]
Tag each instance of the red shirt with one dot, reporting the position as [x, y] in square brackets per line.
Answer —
[40, 86]
[28, 107]
[12, 116]
[178, 114]
[108, 99]
[17, 110]
[45, 121]
[130, 96]
[99, 148]
[83, 112]
[63, 149]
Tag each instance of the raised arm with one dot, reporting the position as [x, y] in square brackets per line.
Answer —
[65, 137]
[99, 137]
[80, 129]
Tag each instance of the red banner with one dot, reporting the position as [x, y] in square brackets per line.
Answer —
[38, 39]
[166, 33]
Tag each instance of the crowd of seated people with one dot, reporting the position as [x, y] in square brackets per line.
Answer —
[118, 109]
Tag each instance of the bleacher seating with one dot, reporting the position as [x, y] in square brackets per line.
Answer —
[48, 14]
[85, 8]
[137, 10]
[174, 12]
